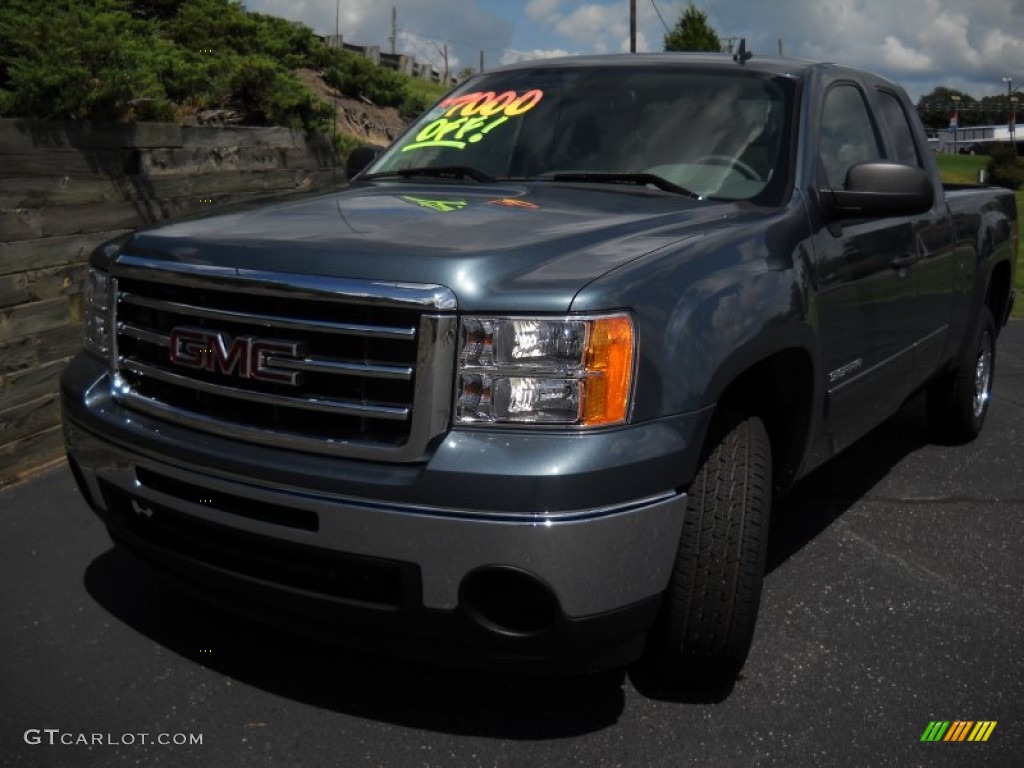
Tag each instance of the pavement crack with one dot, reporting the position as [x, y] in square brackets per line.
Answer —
[944, 500]
[905, 500]
[916, 569]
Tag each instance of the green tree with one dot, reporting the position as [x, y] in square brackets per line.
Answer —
[938, 105]
[693, 32]
[995, 110]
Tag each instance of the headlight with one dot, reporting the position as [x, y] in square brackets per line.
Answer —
[97, 301]
[574, 371]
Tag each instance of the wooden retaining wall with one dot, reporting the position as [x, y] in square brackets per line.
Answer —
[64, 189]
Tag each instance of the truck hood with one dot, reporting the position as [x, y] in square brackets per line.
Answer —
[508, 247]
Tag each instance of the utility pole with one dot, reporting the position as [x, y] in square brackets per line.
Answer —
[956, 122]
[782, 50]
[447, 78]
[1012, 122]
[632, 26]
[481, 60]
[334, 118]
[394, 29]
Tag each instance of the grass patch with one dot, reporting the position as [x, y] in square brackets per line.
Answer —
[960, 169]
[419, 95]
[425, 89]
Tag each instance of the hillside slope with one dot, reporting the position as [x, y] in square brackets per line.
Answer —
[363, 121]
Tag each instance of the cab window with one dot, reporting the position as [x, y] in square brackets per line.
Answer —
[848, 135]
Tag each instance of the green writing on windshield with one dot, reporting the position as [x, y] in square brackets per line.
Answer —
[441, 206]
[468, 118]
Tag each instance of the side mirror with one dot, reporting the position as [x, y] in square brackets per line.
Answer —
[359, 158]
[881, 189]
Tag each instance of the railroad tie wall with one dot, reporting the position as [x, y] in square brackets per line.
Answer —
[67, 187]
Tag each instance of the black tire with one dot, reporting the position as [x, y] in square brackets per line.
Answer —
[710, 608]
[958, 401]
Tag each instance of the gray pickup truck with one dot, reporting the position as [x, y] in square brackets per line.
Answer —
[522, 394]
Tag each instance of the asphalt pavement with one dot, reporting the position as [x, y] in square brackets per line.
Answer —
[894, 598]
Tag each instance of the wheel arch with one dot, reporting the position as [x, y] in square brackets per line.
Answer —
[774, 380]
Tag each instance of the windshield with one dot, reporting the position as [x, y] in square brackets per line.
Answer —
[718, 134]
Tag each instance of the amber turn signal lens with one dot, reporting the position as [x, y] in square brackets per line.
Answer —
[609, 366]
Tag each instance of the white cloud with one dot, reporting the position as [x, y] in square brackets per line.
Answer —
[903, 59]
[921, 43]
[543, 10]
[321, 15]
[428, 51]
[948, 34]
[602, 26]
[512, 56]
[999, 49]
[641, 42]
[463, 24]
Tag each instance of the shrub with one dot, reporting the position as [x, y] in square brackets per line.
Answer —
[266, 94]
[355, 76]
[125, 60]
[154, 9]
[80, 60]
[197, 78]
[413, 105]
[420, 94]
[1005, 168]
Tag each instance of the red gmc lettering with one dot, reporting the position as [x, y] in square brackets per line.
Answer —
[247, 357]
[259, 367]
[189, 347]
[227, 356]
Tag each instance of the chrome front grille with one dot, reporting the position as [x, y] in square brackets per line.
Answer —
[345, 367]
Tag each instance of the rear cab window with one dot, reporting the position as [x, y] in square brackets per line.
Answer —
[900, 130]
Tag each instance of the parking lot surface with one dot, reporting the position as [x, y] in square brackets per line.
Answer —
[894, 598]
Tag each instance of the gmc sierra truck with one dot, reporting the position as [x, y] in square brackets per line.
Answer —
[523, 392]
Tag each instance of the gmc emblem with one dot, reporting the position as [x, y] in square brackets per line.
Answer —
[245, 356]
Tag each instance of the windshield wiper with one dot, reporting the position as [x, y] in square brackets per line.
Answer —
[441, 172]
[637, 179]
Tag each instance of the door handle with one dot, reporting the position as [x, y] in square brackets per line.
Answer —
[902, 262]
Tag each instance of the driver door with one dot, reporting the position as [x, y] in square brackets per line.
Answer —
[864, 293]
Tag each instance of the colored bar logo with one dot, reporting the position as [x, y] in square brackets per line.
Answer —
[958, 730]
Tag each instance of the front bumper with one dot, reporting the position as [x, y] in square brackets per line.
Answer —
[298, 540]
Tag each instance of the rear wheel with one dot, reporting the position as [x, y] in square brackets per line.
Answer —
[958, 402]
[710, 608]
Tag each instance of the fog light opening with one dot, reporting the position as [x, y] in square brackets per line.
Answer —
[508, 601]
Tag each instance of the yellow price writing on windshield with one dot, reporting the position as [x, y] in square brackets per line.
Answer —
[468, 118]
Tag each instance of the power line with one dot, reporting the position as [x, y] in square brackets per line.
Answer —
[717, 13]
[472, 45]
[655, 6]
[419, 50]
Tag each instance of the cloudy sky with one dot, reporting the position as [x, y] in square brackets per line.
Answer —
[965, 44]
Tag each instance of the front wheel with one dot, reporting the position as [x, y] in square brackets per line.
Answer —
[709, 610]
[958, 402]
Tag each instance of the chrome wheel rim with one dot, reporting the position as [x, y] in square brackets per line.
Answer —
[983, 375]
